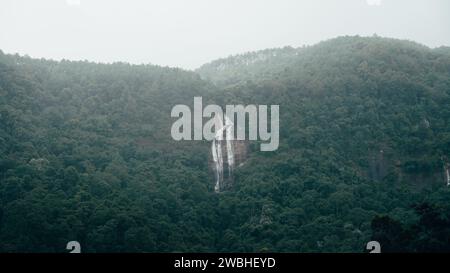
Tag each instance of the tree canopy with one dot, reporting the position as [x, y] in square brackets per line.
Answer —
[86, 153]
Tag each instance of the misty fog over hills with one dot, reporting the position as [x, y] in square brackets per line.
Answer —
[86, 153]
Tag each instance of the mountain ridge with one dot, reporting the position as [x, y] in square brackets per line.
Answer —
[86, 154]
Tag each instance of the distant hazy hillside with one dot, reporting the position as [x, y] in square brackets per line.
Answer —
[343, 51]
[249, 65]
[86, 153]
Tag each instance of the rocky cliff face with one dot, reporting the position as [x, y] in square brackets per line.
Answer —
[226, 156]
[378, 165]
[227, 153]
[385, 163]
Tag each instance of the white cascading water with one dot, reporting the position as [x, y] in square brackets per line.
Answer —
[217, 165]
[230, 149]
[216, 149]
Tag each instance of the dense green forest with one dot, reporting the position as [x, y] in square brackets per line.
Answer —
[86, 153]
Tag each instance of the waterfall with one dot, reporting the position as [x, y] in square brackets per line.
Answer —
[448, 175]
[230, 149]
[217, 154]
[217, 166]
[218, 160]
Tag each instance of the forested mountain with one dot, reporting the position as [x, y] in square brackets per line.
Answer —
[86, 153]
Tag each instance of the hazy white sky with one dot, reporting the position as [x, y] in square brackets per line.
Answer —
[188, 33]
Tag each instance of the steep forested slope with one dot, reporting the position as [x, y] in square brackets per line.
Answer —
[86, 153]
[365, 126]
